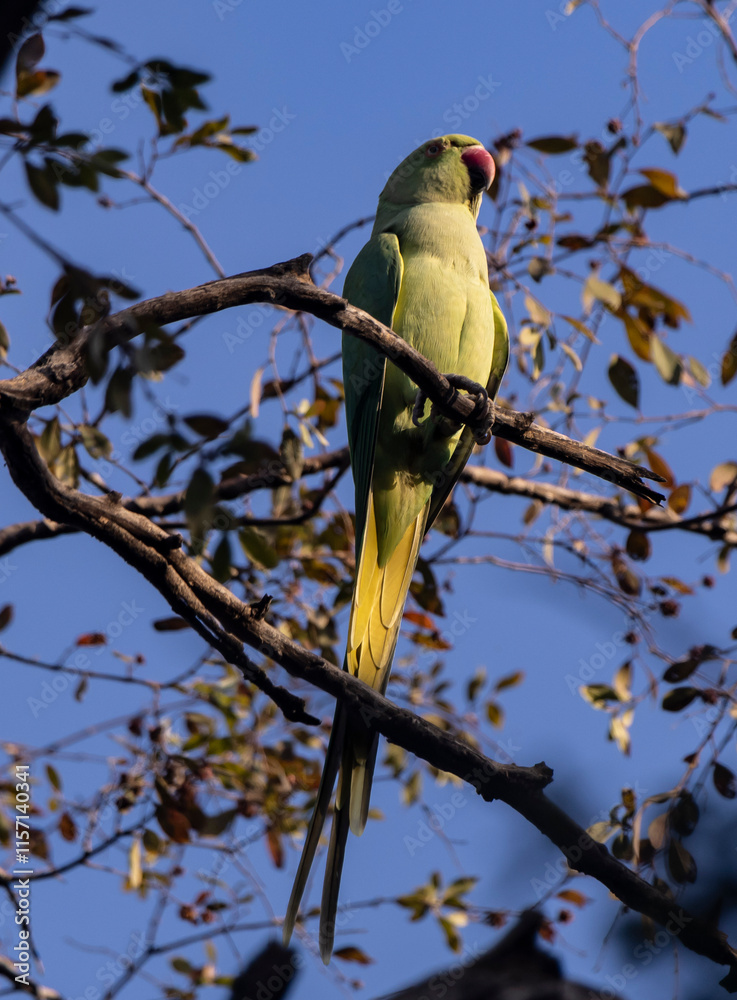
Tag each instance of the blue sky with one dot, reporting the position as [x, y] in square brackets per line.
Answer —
[339, 104]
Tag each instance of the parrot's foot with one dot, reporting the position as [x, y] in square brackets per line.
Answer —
[482, 415]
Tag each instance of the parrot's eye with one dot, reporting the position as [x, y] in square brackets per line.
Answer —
[434, 150]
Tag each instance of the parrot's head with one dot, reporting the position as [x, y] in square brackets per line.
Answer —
[450, 168]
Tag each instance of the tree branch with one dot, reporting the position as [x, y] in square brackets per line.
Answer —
[61, 370]
[610, 508]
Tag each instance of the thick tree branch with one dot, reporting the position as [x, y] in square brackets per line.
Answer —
[711, 525]
[222, 620]
[61, 370]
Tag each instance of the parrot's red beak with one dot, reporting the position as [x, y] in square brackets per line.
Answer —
[481, 167]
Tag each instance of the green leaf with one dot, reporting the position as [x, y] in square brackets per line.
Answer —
[665, 360]
[684, 816]
[729, 362]
[118, 392]
[644, 196]
[165, 355]
[239, 153]
[699, 372]
[206, 425]
[553, 145]
[95, 442]
[598, 694]
[53, 775]
[258, 548]
[352, 954]
[598, 161]
[538, 267]
[43, 127]
[638, 546]
[679, 698]
[680, 498]
[724, 781]
[665, 182]
[495, 714]
[49, 442]
[66, 466]
[511, 680]
[105, 161]
[43, 183]
[682, 866]
[675, 134]
[601, 291]
[572, 356]
[537, 312]
[722, 475]
[292, 453]
[638, 336]
[30, 53]
[150, 446]
[33, 84]
[625, 381]
[222, 559]
[4, 343]
[581, 327]
[199, 495]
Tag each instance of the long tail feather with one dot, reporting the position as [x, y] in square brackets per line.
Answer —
[331, 885]
[376, 617]
[333, 759]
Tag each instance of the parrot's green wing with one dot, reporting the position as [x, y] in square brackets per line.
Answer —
[372, 284]
[462, 453]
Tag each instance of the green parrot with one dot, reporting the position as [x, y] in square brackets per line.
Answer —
[424, 274]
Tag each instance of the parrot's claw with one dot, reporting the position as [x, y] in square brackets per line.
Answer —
[482, 415]
[418, 410]
[483, 411]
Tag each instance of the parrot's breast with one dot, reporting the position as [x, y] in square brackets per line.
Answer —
[444, 311]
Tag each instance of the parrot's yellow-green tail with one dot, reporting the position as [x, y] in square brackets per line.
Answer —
[376, 617]
[379, 596]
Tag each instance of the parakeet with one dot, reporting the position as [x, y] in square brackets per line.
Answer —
[424, 274]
